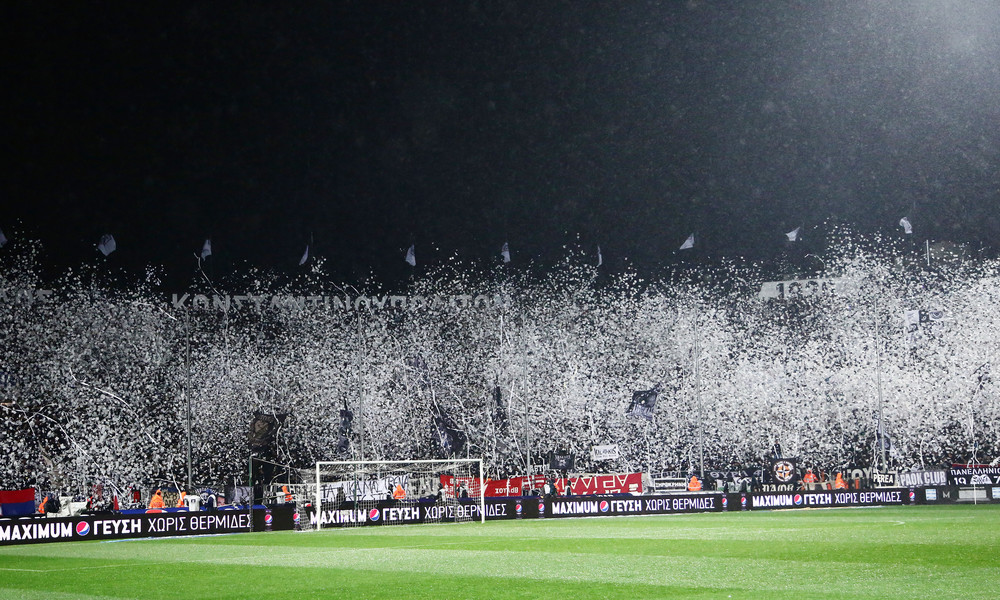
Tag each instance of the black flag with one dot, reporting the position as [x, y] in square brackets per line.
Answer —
[344, 431]
[421, 372]
[500, 419]
[643, 403]
[561, 460]
[784, 470]
[452, 440]
[262, 430]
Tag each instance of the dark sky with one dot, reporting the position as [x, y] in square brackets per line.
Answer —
[457, 125]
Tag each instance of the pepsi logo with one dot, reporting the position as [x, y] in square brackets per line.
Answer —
[83, 528]
[295, 517]
[725, 502]
[541, 507]
[518, 508]
[913, 495]
[743, 501]
[604, 506]
[374, 515]
[268, 518]
[797, 499]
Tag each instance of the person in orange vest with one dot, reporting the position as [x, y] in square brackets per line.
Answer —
[157, 500]
[41, 507]
[839, 483]
[180, 500]
[288, 495]
[694, 485]
[809, 477]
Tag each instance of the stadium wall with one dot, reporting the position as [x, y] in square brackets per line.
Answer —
[39, 529]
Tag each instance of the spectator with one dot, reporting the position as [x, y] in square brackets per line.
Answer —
[157, 500]
[208, 500]
[809, 479]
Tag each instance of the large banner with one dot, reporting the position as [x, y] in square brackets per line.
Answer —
[974, 475]
[923, 479]
[415, 512]
[117, 526]
[628, 483]
[367, 489]
[829, 499]
[646, 505]
[427, 511]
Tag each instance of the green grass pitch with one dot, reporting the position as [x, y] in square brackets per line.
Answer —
[912, 552]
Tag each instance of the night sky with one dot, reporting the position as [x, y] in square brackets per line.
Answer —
[367, 126]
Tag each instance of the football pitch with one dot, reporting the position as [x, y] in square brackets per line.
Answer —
[902, 552]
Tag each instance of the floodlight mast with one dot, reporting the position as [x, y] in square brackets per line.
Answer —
[698, 399]
[880, 432]
[187, 395]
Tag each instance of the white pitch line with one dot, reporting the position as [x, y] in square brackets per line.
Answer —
[66, 569]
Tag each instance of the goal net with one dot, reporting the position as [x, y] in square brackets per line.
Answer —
[356, 493]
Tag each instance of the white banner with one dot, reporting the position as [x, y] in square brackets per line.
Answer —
[366, 489]
[606, 452]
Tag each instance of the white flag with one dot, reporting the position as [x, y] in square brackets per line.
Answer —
[107, 244]
[206, 250]
[305, 256]
[688, 243]
[793, 235]
[905, 224]
[600, 259]
[505, 252]
[411, 258]
[911, 325]
[3, 239]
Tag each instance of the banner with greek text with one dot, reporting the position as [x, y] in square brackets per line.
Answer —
[118, 526]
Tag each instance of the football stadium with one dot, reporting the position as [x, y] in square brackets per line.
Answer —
[500, 299]
[890, 552]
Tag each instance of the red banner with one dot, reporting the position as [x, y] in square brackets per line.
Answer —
[630, 483]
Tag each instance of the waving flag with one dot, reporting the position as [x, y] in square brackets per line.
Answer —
[600, 259]
[305, 256]
[452, 440]
[905, 224]
[793, 235]
[643, 403]
[344, 431]
[206, 249]
[505, 252]
[688, 243]
[3, 239]
[500, 420]
[411, 257]
[17, 503]
[107, 244]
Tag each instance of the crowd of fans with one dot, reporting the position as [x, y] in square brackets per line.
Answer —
[98, 381]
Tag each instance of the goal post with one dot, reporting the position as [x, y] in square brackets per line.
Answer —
[437, 490]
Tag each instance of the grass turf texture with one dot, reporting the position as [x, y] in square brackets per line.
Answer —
[904, 552]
